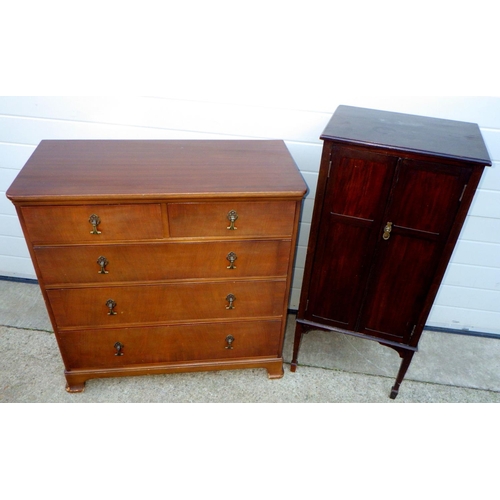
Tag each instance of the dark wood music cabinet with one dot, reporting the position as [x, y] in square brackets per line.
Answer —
[393, 193]
[162, 256]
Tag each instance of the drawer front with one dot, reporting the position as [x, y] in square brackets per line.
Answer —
[96, 348]
[153, 304]
[214, 219]
[162, 261]
[68, 224]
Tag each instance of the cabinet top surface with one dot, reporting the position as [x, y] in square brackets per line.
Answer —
[411, 133]
[111, 170]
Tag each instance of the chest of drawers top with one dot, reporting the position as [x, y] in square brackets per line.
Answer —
[110, 171]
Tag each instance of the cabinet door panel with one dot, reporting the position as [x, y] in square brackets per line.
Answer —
[425, 198]
[355, 196]
[358, 183]
[333, 293]
[400, 281]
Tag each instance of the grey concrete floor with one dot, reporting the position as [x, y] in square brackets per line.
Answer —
[333, 368]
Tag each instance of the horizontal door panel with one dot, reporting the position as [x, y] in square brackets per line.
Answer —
[359, 183]
[151, 304]
[426, 197]
[69, 224]
[105, 264]
[96, 348]
[232, 220]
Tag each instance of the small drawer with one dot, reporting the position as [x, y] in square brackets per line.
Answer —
[232, 220]
[208, 341]
[105, 264]
[153, 304]
[92, 223]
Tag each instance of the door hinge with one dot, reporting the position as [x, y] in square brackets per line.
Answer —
[329, 166]
[413, 331]
[307, 304]
[463, 192]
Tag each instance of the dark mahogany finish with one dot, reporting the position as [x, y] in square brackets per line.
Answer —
[143, 270]
[393, 193]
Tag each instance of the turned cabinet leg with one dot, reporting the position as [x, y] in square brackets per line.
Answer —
[299, 331]
[405, 364]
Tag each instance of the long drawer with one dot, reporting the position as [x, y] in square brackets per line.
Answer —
[105, 264]
[96, 348]
[68, 224]
[150, 304]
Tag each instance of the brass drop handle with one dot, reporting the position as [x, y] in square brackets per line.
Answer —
[387, 231]
[231, 257]
[119, 349]
[232, 216]
[229, 341]
[230, 298]
[103, 262]
[95, 221]
[111, 304]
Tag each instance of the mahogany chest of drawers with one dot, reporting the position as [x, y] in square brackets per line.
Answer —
[162, 256]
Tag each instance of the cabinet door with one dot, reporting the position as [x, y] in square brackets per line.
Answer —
[355, 196]
[422, 205]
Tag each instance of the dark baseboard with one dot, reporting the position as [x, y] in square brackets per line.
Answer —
[470, 333]
[19, 280]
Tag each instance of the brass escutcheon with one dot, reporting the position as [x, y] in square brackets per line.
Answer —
[387, 231]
